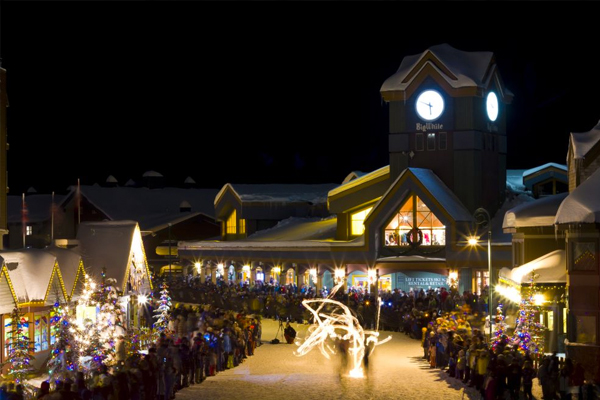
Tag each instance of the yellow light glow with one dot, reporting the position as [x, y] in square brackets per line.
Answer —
[198, 266]
[313, 272]
[509, 292]
[473, 241]
[277, 270]
[539, 299]
[142, 299]
[246, 268]
[372, 275]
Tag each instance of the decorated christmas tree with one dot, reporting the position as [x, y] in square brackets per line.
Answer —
[528, 334]
[500, 339]
[98, 325]
[19, 348]
[62, 362]
[162, 312]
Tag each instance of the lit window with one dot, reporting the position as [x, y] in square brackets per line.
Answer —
[8, 333]
[242, 226]
[231, 223]
[443, 141]
[357, 221]
[414, 213]
[431, 141]
[419, 142]
[41, 333]
[29, 230]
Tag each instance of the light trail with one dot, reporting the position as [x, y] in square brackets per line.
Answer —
[335, 321]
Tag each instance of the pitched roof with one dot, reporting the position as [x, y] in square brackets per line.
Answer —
[68, 263]
[106, 245]
[359, 180]
[151, 208]
[582, 205]
[30, 271]
[39, 207]
[583, 142]
[458, 68]
[286, 193]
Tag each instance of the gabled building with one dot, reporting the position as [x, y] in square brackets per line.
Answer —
[408, 221]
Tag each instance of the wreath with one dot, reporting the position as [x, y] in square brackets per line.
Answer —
[411, 235]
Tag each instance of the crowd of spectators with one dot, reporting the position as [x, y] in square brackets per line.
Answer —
[217, 326]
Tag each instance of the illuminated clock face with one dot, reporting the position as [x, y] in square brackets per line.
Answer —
[491, 106]
[430, 105]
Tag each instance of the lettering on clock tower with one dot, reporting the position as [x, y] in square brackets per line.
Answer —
[427, 126]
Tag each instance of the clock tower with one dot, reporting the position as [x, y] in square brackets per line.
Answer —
[447, 111]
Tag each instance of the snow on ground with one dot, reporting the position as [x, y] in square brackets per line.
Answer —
[397, 371]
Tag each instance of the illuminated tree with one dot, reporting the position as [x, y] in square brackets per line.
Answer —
[162, 312]
[500, 339]
[62, 360]
[19, 347]
[528, 334]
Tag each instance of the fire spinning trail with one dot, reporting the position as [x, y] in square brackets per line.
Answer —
[339, 324]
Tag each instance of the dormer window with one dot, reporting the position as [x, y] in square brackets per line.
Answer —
[430, 231]
[357, 221]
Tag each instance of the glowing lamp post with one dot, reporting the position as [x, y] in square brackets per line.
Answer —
[277, 271]
[313, 275]
[372, 278]
[482, 218]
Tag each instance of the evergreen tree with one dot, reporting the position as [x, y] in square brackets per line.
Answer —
[62, 362]
[500, 338]
[161, 313]
[18, 347]
[528, 333]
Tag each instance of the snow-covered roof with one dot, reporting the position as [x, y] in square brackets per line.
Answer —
[359, 180]
[459, 68]
[541, 167]
[582, 205]
[68, 264]
[441, 193]
[39, 207]
[149, 207]
[514, 180]
[531, 212]
[551, 268]
[130, 182]
[30, 271]
[583, 142]
[299, 229]
[189, 180]
[151, 173]
[285, 193]
[107, 245]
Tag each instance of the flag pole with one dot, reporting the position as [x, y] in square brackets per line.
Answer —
[52, 226]
[78, 203]
[23, 222]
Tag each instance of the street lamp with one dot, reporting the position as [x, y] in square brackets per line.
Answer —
[482, 219]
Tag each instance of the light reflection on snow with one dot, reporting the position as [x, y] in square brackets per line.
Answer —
[334, 322]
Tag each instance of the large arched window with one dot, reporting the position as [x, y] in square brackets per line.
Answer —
[415, 214]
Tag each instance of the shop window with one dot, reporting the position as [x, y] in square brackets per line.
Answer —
[8, 329]
[481, 281]
[431, 141]
[419, 142]
[41, 332]
[231, 223]
[357, 221]
[415, 214]
[443, 141]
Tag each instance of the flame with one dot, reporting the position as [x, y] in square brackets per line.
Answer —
[338, 324]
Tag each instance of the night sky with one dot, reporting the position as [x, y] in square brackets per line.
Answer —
[265, 93]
